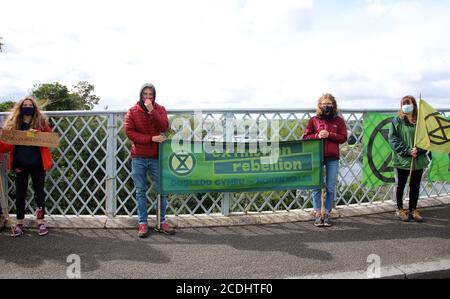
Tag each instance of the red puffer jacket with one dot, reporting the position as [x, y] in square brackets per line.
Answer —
[45, 152]
[141, 127]
[338, 134]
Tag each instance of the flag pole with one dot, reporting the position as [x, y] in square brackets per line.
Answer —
[158, 224]
[323, 165]
[322, 210]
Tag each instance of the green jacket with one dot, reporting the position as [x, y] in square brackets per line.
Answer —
[401, 139]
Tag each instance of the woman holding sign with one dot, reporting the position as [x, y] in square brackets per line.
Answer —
[329, 126]
[26, 161]
[401, 139]
[144, 124]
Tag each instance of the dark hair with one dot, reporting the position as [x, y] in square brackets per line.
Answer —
[413, 101]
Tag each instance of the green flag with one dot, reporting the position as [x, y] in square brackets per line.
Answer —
[377, 160]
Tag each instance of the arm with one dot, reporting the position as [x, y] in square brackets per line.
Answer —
[159, 117]
[310, 131]
[47, 128]
[4, 147]
[397, 143]
[341, 135]
[132, 133]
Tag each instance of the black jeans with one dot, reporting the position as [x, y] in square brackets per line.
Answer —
[38, 178]
[414, 185]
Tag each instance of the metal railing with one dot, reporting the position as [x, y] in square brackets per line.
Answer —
[92, 167]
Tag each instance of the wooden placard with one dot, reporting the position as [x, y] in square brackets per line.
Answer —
[33, 138]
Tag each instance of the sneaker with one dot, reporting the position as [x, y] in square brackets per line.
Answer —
[42, 229]
[165, 229]
[327, 220]
[318, 221]
[403, 215]
[17, 230]
[416, 216]
[143, 230]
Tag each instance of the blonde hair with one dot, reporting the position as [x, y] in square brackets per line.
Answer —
[327, 96]
[15, 118]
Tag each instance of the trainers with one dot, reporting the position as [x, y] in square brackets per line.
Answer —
[327, 220]
[416, 216]
[17, 230]
[143, 231]
[42, 229]
[165, 229]
[403, 215]
[318, 221]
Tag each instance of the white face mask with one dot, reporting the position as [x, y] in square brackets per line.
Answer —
[407, 108]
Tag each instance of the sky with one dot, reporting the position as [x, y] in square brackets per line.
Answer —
[231, 53]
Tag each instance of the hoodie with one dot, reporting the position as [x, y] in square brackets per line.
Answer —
[141, 126]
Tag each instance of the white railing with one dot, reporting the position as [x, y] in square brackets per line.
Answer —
[92, 167]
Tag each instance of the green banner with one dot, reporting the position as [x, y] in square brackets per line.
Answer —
[241, 168]
[377, 160]
[440, 167]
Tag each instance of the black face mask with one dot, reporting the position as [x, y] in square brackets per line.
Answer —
[27, 111]
[327, 110]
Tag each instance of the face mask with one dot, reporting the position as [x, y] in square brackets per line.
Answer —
[27, 111]
[408, 108]
[327, 109]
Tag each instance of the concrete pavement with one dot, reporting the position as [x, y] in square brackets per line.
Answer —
[289, 250]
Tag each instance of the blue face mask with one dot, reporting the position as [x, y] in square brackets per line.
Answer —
[407, 108]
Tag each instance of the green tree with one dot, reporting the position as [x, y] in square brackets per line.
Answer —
[6, 106]
[57, 97]
[84, 91]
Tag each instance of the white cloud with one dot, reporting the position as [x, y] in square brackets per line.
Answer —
[230, 53]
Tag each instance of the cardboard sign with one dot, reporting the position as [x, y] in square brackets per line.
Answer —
[17, 137]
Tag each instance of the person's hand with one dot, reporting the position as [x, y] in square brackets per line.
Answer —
[148, 103]
[159, 139]
[324, 134]
[414, 152]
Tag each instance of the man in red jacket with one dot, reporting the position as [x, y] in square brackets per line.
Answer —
[144, 124]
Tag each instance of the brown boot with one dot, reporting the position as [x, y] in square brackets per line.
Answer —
[403, 215]
[416, 216]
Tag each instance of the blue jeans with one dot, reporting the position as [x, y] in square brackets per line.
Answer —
[139, 170]
[331, 168]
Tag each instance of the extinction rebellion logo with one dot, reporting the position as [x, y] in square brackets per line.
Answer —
[440, 135]
[182, 163]
[380, 132]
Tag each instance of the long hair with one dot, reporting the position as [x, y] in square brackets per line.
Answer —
[15, 118]
[408, 100]
[327, 96]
